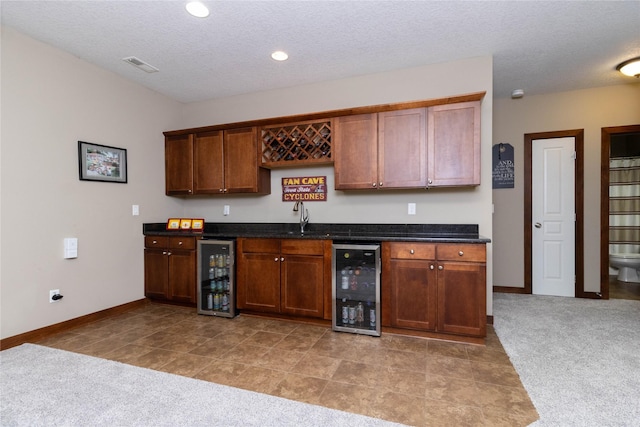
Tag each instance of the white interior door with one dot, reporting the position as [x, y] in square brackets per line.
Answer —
[553, 216]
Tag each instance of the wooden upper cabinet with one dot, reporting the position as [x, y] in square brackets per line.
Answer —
[208, 163]
[355, 143]
[241, 171]
[402, 148]
[215, 162]
[178, 158]
[453, 148]
[381, 150]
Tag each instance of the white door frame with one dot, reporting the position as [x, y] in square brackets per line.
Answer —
[578, 134]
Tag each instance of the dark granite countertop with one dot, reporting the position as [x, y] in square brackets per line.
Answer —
[446, 233]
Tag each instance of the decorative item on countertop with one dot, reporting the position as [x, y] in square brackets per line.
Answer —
[186, 224]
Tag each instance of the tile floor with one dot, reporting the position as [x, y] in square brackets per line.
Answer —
[409, 380]
[623, 290]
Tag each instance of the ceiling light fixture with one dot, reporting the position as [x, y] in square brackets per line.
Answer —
[197, 9]
[279, 55]
[630, 68]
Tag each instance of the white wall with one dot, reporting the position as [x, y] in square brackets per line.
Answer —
[49, 101]
[591, 110]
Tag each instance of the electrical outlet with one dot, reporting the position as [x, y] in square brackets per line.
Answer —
[226, 210]
[411, 209]
[52, 293]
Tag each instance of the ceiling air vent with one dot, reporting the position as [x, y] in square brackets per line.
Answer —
[140, 64]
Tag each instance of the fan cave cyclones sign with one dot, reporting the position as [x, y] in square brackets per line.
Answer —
[304, 189]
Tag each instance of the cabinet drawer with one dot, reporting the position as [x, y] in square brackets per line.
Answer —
[261, 246]
[412, 251]
[182, 242]
[155, 241]
[462, 252]
[302, 247]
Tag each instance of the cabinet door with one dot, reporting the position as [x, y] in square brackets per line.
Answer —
[453, 144]
[241, 171]
[302, 280]
[462, 298]
[413, 294]
[182, 276]
[356, 152]
[208, 177]
[178, 162]
[259, 282]
[156, 265]
[402, 150]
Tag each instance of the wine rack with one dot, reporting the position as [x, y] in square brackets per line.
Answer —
[297, 144]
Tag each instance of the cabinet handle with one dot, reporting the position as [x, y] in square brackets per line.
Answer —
[164, 252]
[440, 267]
[411, 251]
[188, 191]
[168, 253]
[431, 267]
[430, 182]
[374, 184]
[180, 243]
[380, 185]
[155, 242]
[225, 190]
[221, 190]
[276, 259]
[460, 253]
[282, 259]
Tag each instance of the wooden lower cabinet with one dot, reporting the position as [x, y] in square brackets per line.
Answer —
[435, 287]
[170, 268]
[288, 276]
[462, 298]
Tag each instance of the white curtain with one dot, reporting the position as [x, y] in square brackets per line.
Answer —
[624, 205]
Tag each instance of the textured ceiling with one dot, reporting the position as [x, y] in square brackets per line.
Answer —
[538, 46]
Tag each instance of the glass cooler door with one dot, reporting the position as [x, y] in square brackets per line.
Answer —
[216, 278]
[356, 288]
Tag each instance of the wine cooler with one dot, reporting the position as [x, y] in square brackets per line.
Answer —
[216, 278]
[356, 288]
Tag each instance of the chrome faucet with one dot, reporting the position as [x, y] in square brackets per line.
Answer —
[304, 215]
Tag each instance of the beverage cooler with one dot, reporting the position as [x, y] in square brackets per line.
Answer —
[356, 288]
[216, 278]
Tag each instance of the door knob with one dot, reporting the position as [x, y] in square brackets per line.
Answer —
[538, 225]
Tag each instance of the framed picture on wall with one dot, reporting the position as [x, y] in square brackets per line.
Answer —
[102, 163]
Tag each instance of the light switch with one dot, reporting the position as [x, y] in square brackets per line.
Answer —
[135, 210]
[411, 209]
[226, 210]
[71, 247]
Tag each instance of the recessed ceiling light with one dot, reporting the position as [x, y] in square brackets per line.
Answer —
[279, 55]
[197, 9]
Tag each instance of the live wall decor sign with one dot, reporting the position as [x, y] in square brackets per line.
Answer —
[102, 163]
[503, 166]
[304, 188]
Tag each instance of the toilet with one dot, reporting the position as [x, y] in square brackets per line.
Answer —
[627, 265]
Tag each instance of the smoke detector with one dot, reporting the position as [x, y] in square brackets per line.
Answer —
[147, 68]
[517, 93]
